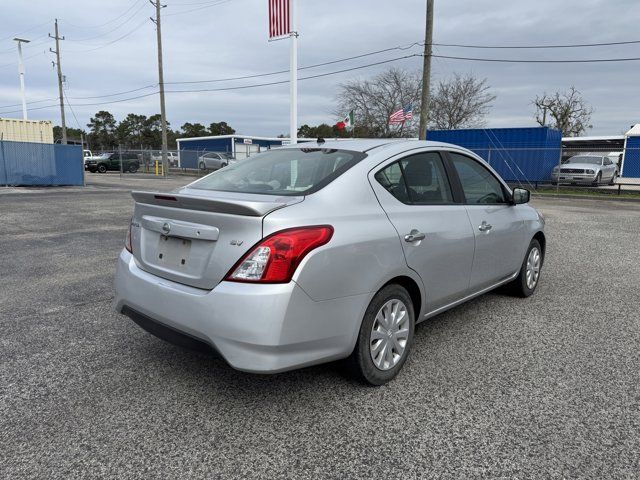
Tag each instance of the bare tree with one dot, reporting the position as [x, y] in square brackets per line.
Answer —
[567, 111]
[374, 100]
[460, 102]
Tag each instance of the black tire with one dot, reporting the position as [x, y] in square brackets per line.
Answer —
[223, 165]
[598, 179]
[361, 362]
[613, 179]
[102, 168]
[202, 166]
[133, 169]
[519, 286]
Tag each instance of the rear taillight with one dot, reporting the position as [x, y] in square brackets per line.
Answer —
[275, 259]
[127, 240]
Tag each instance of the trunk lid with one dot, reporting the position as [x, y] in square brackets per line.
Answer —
[194, 237]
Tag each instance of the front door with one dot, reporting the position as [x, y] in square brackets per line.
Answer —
[497, 224]
[434, 231]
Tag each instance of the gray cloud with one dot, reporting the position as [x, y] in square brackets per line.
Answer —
[230, 39]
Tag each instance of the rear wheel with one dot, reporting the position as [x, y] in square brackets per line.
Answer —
[527, 281]
[202, 166]
[386, 336]
[102, 168]
[133, 169]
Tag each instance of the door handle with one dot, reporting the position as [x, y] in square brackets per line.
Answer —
[485, 227]
[414, 236]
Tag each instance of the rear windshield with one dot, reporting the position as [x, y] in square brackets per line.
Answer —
[282, 171]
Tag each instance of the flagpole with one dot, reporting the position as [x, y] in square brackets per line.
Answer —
[294, 73]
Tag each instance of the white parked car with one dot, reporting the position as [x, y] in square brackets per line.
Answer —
[590, 169]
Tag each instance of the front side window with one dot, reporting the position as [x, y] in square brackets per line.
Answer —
[419, 179]
[286, 171]
[480, 186]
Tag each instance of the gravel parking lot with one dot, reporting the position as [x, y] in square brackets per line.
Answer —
[547, 387]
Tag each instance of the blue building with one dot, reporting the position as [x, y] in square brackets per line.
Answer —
[517, 154]
[240, 146]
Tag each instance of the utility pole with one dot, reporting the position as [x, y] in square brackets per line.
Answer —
[163, 112]
[426, 72]
[21, 73]
[60, 79]
[293, 114]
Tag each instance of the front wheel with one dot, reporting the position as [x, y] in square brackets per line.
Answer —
[527, 280]
[102, 168]
[386, 336]
[613, 179]
[598, 179]
[202, 166]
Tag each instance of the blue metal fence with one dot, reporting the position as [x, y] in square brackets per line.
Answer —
[25, 163]
[631, 166]
[517, 154]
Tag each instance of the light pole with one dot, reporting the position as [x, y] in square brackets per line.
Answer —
[21, 72]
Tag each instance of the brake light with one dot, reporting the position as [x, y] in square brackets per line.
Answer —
[275, 258]
[127, 240]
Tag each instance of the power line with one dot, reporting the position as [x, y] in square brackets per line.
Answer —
[119, 26]
[280, 82]
[508, 60]
[232, 88]
[116, 94]
[574, 45]
[135, 29]
[29, 103]
[246, 77]
[30, 29]
[213, 4]
[93, 27]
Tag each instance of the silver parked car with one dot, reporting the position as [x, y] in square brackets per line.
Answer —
[214, 160]
[312, 253]
[591, 169]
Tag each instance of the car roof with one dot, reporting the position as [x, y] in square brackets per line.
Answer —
[367, 144]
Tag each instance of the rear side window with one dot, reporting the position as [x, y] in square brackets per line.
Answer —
[282, 171]
[480, 186]
[419, 179]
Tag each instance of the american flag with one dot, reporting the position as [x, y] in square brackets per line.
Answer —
[279, 19]
[401, 115]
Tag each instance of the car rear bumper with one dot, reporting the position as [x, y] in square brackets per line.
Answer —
[255, 328]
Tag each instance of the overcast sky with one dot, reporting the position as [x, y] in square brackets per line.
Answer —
[110, 47]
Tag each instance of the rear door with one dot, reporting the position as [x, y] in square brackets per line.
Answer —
[434, 230]
[498, 227]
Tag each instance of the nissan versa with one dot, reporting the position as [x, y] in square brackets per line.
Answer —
[317, 252]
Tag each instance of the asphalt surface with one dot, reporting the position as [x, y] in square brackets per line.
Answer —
[546, 387]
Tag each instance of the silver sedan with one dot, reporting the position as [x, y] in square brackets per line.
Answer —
[590, 169]
[214, 160]
[313, 253]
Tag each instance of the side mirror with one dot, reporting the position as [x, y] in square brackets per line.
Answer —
[520, 196]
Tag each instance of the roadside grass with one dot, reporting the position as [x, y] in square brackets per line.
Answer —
[586, 192]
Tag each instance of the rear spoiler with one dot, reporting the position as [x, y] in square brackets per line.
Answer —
[249, 208]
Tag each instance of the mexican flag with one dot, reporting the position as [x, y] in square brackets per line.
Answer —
[348, 121]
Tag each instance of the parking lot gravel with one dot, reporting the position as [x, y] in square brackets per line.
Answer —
[501, 387]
